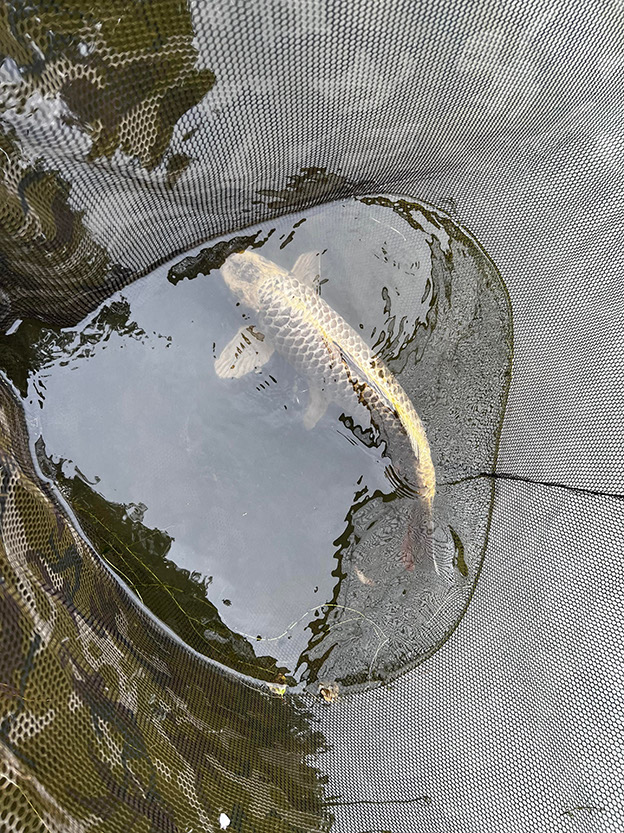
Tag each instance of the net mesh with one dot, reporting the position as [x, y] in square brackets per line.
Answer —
[133, 132]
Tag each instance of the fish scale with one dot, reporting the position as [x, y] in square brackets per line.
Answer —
[339, 367]
[325, 349]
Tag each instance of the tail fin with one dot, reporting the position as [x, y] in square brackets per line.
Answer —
[418, 543]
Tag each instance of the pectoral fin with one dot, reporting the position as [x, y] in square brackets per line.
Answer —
[247, 351]
[317, 405]
[307, 269]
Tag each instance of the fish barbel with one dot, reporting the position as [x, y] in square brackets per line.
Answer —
[338, 365]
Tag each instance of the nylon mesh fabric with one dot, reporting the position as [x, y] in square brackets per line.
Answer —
[133, 131]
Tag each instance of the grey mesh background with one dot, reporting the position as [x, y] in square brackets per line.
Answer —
[510, 117]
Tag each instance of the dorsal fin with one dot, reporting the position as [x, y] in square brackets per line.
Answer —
[307, 269]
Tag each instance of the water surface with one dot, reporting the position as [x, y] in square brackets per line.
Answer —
[269, 548]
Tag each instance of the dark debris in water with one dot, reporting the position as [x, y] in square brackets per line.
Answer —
[212, 257]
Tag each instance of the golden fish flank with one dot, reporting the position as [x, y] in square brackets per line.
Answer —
[296, 322]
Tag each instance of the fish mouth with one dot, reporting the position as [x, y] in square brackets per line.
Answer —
[239, 269]
[245, 266]
[237, 258]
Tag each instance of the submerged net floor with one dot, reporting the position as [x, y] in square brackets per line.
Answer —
[273, 549]
[128, 140]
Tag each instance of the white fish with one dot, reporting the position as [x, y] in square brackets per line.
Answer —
[295, 321]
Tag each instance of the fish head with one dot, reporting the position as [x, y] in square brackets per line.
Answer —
[244, 272]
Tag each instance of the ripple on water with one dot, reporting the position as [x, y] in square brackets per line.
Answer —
[272, 549]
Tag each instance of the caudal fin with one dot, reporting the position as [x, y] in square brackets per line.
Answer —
[418, 542]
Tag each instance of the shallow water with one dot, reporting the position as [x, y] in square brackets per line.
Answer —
[269, 548]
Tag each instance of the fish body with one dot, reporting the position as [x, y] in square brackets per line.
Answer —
[339, 366]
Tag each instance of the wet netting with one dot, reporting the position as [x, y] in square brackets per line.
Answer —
[456, 170]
